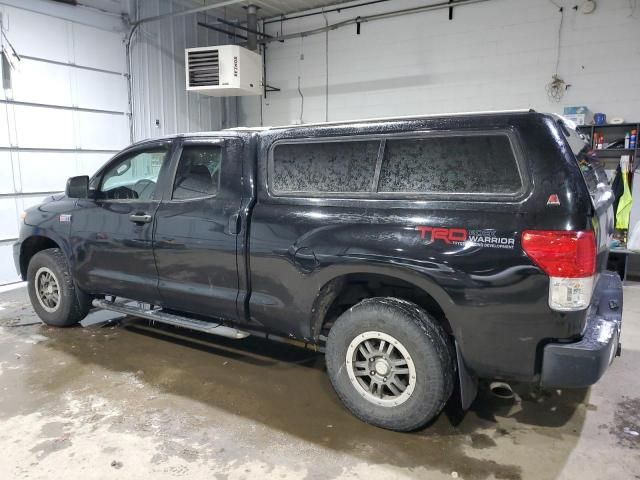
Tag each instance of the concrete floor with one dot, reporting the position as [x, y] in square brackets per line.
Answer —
[124, 401]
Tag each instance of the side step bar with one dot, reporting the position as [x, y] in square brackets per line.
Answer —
[170, 319]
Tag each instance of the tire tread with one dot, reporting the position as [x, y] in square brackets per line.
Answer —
[434, 335]
[77, 310]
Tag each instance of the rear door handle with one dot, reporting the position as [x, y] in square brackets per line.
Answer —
[140, 218]
[235, 224]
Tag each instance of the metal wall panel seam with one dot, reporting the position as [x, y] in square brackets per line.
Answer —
[28, 194]
[147, 77]
[188, 99]
[13, 177]
[72, 65]
[55, 150]
[160, 72]
[172, 36]
[61, 107]
[113, 29]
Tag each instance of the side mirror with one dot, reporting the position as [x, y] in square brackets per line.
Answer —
[77, 187]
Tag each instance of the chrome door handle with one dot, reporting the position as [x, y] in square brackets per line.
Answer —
[140, 218]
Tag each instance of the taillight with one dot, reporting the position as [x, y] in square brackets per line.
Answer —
[569, 258]
[561, 254]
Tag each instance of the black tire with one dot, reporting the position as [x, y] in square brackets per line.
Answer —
[68, 310]
[422, 338]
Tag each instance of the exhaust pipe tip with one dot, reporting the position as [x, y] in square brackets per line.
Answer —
[501, 390]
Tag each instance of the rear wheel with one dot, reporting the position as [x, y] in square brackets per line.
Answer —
[52, 291]
[390, 363]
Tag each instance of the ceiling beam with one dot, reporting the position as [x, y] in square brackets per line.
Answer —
[372, 18]
[221, 30]
[189, 11]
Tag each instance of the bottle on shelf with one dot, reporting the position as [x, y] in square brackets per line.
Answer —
[633, 139]
[627, 138]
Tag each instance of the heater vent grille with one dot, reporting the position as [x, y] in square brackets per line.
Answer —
[204, 68]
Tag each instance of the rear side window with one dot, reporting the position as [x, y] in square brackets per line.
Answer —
[454, 164]
[331, 167]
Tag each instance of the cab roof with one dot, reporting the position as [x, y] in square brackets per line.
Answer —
[245, 130]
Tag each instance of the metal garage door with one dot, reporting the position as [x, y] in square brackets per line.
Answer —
[64, 113]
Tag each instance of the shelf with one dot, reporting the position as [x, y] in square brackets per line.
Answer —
[609, 125]
[614, 152]
[623, 251]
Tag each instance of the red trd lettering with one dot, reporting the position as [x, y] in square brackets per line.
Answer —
[447, 235]
[458, 235]
[440, 234]
[423, 231]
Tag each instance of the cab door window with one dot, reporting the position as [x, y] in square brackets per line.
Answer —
[198, 173]
[134, 177]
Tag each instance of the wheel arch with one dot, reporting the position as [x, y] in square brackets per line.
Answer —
[345, 290]
[425, 294]
[32, 245]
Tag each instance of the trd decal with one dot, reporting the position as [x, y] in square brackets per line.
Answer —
[460, 236]
[447, 235]
[490, 238]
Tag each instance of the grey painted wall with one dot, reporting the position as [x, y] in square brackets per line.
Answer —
[494, 55]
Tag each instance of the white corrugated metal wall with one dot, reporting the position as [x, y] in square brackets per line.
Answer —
[66, 111]
[161, 103]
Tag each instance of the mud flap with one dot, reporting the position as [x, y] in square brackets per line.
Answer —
[467, 382]
[82, 297]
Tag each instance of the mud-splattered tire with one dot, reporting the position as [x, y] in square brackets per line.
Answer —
[369, 374]
[52, 291]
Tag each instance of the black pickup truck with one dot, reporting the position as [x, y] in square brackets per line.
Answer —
[421, 254]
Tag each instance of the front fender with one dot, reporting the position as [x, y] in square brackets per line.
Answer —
[33, 242]
[45, 224]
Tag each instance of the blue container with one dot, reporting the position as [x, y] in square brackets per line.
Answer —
[599, 118]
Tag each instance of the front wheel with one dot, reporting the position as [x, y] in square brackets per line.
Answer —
[390, 363]
[52, 291]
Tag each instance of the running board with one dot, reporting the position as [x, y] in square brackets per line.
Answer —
[170, 319]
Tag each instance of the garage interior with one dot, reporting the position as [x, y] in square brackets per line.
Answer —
[118, 398]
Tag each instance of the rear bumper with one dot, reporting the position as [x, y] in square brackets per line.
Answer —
[582, 363]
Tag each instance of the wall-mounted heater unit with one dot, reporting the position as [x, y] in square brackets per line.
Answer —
[223, 71]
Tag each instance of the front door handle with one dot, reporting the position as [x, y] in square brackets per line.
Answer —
[140, 218]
